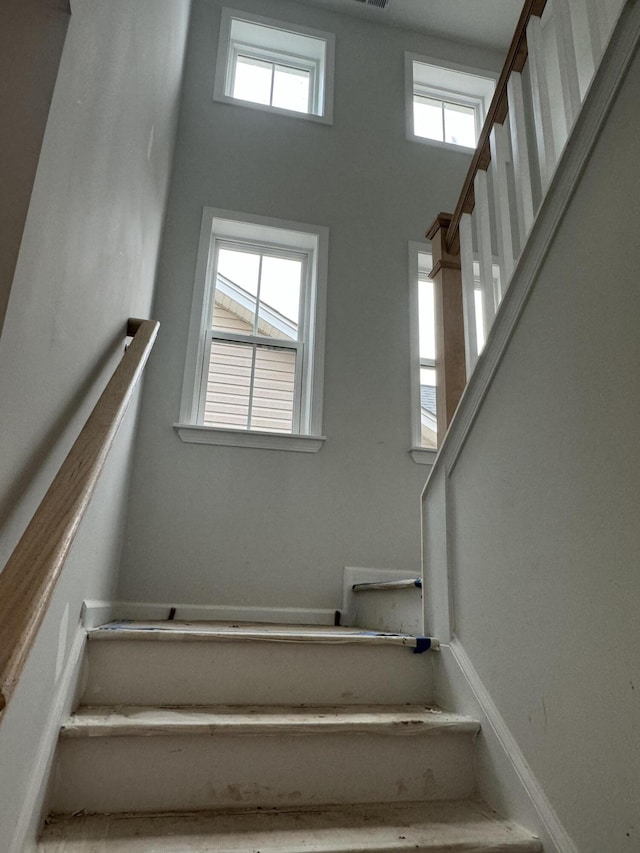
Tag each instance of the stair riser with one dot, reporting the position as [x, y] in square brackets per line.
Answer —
[398, 610]
[168, 773]
[166, 672]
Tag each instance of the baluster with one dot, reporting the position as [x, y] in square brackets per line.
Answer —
[567, 61]
[468, 292]
[490, 299]
[500, 155]
[541, 101]
[520, 153]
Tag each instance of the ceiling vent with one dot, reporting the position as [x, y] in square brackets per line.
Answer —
[379, 4]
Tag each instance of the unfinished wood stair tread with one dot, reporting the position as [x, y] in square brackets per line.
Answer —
[257, 632]
[443, 827]
[135, 720]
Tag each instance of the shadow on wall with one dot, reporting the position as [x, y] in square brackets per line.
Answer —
[40, 453]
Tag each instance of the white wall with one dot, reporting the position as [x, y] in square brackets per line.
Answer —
[87, 262]
[543, 504]
[236, 526]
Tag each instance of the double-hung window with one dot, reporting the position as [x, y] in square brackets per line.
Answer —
[274, 66]
[446, 104]
[254, 364]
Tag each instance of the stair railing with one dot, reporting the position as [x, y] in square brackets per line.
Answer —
[554, 56]
[29, 577]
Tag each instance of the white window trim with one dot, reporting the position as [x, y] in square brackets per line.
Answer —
[294, 236]
[421, 455]
[322, 78]
[444, 93]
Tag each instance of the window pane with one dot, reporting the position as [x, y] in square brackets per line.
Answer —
[460, 125]
[428, 430]
[291, 89]
[273, 389]
[252, 80]
[427, 117]
[426, 319]
[234, 306]
[480, 335]
[280, 297]
[228, 385]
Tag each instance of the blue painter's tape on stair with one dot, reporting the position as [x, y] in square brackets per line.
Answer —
[423, 644]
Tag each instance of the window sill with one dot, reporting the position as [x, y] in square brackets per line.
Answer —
[267, 108]
[198, 434]
[423, 455]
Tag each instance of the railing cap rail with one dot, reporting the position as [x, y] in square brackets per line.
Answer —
[30, 575]
[516, 58]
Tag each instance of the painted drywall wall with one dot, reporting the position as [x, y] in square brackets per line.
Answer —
[236, 526]
[87, 262]
[543, 504]
[32, 34]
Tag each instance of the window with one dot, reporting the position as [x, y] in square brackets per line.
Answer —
[254, 365]
[427, 433]
[274, 66]
[423, 346]
[446, 105]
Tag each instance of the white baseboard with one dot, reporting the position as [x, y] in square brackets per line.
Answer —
[34, 803]
[514, 786]
[99, 612]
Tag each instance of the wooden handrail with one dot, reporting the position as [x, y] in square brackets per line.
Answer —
[516, 58]
[28, 580]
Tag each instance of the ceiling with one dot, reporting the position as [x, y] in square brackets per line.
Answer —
[490, 23]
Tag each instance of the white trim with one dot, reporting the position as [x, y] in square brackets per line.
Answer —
[199, 434]
[559, 194]
[34, 803]
[323, 84]
[556, 831]
[423, 455]
[101, 612]
[96, 613]
[448, 83]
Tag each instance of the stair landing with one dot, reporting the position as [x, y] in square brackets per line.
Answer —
[444, 827]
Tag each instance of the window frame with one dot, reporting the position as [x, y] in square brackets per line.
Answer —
[321, 70]
[280, 238]
[419, 453]
[447, 82]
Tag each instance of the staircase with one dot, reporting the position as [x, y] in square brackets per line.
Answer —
[261, 738]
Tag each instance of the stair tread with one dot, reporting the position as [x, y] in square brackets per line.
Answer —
[454, 827]
[251, 631]
[136, 720]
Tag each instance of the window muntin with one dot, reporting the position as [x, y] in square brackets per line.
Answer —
[446, 104]
[256, 337]
[275, 66]
[445, 120]
[273, 84]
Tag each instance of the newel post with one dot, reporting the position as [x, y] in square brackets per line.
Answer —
[450, 353]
